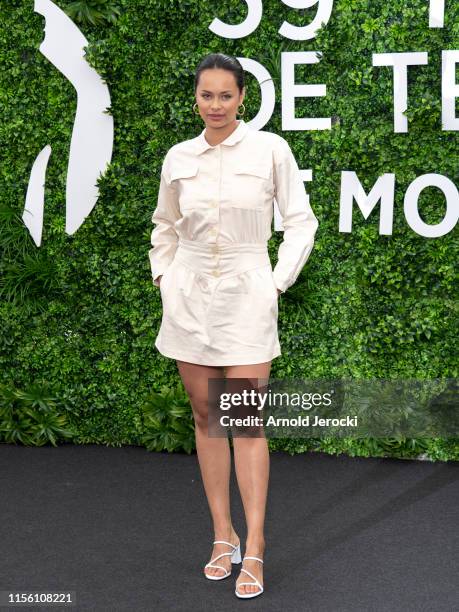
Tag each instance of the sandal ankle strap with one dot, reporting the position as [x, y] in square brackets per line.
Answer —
[256, 558]
[224, 542]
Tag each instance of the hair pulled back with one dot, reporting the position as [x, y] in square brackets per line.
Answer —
[221, 60]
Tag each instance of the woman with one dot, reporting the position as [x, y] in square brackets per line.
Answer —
[218, 289]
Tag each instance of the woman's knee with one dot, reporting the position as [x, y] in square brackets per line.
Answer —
[200, 407]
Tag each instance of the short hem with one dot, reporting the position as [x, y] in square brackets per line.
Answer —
[233, 360]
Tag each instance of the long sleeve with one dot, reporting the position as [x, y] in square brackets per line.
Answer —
[164, 238]
[300, 223]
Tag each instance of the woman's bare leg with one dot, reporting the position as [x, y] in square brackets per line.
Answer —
[214, 459]
[251, 458]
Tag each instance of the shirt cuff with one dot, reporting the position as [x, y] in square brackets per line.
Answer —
[155, 278]
[282, 285]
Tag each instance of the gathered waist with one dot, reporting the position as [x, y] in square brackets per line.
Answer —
[222, 260]
[228, 247]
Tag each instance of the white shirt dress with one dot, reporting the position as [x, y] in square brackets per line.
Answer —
[213, 220]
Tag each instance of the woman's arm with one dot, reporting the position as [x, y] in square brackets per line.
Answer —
[164, 238]
[299, 221]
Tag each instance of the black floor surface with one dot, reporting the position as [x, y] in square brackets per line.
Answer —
[130, 530]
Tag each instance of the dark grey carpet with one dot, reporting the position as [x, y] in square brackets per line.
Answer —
[130, 530]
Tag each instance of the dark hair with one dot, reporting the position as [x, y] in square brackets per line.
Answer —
[220, 60]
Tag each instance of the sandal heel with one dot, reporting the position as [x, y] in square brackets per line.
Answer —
[236, 556]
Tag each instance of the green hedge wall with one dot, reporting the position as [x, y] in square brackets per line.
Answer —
[80, 313]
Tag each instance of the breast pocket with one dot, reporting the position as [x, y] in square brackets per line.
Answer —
[185, 179]
[252, 185]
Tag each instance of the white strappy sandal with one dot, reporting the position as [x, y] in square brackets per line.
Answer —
[256, 583]
[235, 558]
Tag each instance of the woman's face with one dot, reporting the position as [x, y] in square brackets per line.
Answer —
[218, 97]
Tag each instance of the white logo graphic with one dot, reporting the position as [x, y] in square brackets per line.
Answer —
[91, 146]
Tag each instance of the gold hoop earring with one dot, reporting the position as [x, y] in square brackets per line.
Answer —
[194, 110]
[239, 113]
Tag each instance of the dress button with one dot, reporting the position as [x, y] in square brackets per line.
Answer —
[215, 272]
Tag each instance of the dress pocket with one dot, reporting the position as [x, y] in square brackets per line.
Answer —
[251, 185]
[273, 282]
[185, 180]
[184, 171]
[165, 278]
[267, 285]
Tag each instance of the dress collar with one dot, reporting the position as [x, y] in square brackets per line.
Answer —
[238, 134]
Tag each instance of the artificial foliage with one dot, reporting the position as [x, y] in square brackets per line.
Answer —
[80, 313]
